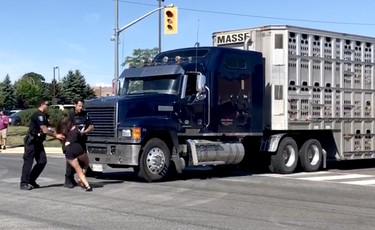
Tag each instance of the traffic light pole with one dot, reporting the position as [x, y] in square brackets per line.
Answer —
[117, 34]
[160, 24]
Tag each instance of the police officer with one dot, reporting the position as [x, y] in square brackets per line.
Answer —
[34, 149]
[82, 120]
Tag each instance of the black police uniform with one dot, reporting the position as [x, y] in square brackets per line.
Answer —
[82, 120]
[34, 149]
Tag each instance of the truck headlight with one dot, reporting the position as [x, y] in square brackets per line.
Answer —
[126, 133]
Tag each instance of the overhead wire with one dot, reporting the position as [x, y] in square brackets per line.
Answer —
[260, 16]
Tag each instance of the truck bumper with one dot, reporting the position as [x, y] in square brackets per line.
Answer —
[115, 154]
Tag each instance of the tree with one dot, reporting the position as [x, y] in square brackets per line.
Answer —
[74, 86]
[7, 96]
[29, 89]
[139, 56]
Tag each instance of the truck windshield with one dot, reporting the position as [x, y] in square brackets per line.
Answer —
[156, 84]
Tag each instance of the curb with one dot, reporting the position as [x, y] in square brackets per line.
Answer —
[19, 149]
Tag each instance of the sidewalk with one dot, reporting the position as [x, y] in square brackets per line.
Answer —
[49, 150]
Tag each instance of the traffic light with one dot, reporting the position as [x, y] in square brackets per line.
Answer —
[170, 20]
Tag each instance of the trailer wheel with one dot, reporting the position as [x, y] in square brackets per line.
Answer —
[286, 158]
[311, 155]
[155, 163]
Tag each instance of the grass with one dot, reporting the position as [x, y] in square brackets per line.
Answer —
[17, 133]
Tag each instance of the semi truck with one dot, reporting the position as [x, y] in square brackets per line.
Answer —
[298, 96]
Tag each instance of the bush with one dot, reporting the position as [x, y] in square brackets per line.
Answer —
[25, 116]
[55, 115]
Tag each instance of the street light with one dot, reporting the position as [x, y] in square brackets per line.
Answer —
[54, 101]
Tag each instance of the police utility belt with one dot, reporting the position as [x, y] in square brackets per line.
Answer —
[31, 138]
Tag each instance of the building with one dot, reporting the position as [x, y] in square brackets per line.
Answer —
[103, 91]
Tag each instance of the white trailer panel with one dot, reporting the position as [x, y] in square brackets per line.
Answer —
[317, 80]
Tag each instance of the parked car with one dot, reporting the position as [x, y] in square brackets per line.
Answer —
[14, 119]
[62, 107]
[10, 112]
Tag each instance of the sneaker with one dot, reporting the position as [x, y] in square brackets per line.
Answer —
[4, 147]
[26, 187]
[88, 189]
[34, 184]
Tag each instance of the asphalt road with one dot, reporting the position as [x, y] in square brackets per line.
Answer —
[340, 198]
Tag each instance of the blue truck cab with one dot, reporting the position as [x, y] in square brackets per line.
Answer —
[188, 107]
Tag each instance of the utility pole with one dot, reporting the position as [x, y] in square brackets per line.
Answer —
[116, 35]
[54, 101]
[160, 24]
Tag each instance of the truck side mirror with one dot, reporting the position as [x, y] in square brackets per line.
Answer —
[201, 84]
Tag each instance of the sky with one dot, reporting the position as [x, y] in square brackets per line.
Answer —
[39, 35]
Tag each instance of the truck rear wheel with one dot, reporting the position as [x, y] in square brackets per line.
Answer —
[286, 158]
[311, 155]
[155, 163]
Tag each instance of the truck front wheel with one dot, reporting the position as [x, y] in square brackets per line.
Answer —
[155, 161]
[286, 158]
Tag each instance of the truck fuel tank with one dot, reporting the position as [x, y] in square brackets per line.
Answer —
[204, 152]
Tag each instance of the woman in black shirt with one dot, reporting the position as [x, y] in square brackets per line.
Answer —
[74, 153]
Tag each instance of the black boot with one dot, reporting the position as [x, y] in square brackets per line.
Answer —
[68, 183]
[26, 187]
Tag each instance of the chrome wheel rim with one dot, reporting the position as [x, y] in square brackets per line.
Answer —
[155, 160]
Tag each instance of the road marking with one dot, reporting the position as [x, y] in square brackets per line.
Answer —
[321, 176]
[293, 175]
[361, 182]
[334, 177]
[328, 176]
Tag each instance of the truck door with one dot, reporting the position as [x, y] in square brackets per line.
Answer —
[194, 111]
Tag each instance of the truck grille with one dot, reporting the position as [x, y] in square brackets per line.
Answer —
[103, 119]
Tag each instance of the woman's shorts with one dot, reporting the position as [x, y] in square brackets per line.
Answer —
[73, 151]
